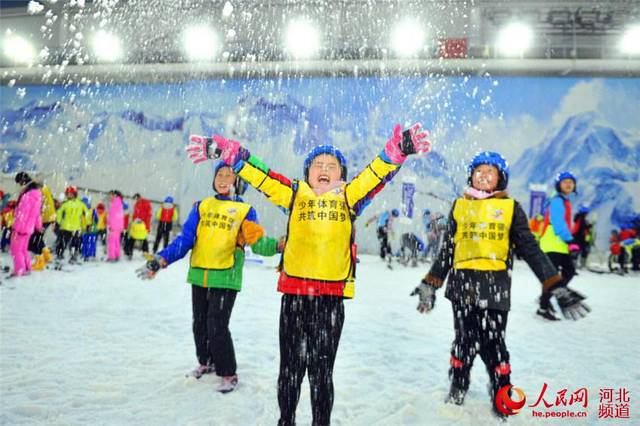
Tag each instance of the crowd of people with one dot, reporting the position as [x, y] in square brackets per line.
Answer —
[472, 250]
[78, 227]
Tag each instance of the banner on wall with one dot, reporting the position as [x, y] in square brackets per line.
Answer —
[408, 191]
[537, 197]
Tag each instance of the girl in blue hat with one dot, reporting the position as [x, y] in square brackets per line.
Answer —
[557, 238]
[317, 267]
[484, 228]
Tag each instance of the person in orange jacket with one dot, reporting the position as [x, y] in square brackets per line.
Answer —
[536, 225]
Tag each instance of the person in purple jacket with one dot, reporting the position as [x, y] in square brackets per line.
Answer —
[27, 218]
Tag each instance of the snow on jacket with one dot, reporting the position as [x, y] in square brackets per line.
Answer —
[27, 214]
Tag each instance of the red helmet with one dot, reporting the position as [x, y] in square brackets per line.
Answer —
[100, 206]
[71, 190]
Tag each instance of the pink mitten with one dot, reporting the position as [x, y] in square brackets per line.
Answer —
[402, 144]
[202, 148]
[198, 149]
[228, 149]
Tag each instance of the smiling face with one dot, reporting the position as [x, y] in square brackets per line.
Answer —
[567, 186]
[485, 178]
[323, 171]
[225, 178]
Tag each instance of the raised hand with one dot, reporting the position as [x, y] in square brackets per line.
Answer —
[200, 148]
[407, 142]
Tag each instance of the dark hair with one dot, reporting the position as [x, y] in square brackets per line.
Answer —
[136, 195]
[116, 193]
[23, 178]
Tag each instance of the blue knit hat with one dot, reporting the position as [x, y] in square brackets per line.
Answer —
[566, 175]
[329, 150]
[240, 185]
[493, 159]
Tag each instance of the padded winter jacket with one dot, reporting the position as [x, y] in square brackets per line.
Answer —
[27, 214]
[115, 219]
[490, 289]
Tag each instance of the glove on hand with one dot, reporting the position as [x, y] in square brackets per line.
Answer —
[201, 149]
[150, 269]
[427, 295]
[402, 144]
[573, 247]
[570, 302]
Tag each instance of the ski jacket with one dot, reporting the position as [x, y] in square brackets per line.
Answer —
[216, 231]
[48, 206]
[142, 210]
[319, 254]
[27, 216]
[71, 214]
[487, 287]
[115, 219]
[556, 232]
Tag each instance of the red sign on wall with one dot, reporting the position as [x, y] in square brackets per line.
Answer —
[453, 48]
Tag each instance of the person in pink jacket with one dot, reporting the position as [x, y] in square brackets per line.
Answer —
[27, 218]
[115, 225]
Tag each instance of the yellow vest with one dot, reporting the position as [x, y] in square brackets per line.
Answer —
[48, 206]
[217, 233]
[319, 237]
[102, 221]
[8, 218]
[138, 231]
[482, 234]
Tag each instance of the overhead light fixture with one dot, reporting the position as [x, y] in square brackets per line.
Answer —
[630, 42]
[200, 43]
[18, 49]
[407, 38]
[514, 39]
[107, 46]
[302, 39]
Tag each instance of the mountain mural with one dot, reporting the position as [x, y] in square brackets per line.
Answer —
[133, 137]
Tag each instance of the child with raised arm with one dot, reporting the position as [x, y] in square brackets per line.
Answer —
[317, 268]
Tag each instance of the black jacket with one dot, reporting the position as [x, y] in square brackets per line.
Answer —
[490, 289]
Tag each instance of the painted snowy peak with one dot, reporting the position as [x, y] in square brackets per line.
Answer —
[605, 161]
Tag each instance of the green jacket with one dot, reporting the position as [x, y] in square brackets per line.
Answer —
[231, 278]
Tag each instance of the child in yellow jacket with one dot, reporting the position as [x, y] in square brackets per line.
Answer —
[321, 210]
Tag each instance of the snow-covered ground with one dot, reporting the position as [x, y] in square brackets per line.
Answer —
[98, 346]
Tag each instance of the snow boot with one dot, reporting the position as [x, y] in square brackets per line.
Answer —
[456, 395]
[46, 254]
[228, 384]
[547, 314]
[39, 263]
[200, 371]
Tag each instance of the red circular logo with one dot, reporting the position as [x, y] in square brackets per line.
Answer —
[505, 404]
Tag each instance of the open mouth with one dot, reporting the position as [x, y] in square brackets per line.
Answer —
[323, 179]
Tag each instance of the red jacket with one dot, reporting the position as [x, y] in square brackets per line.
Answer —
[625, 234]
[142, 210]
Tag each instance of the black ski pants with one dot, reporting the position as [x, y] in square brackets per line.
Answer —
[310, 329]
[479, 332]
[211, 313]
